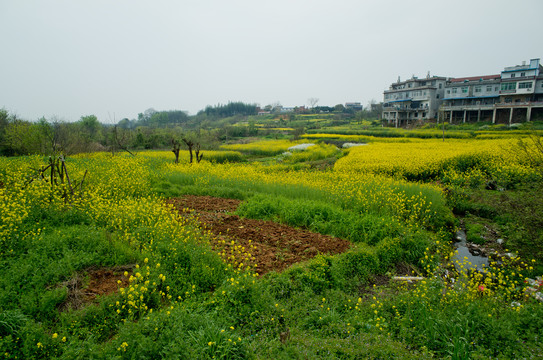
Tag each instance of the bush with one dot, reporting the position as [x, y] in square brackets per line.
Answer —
[355, 267]
[221, 157]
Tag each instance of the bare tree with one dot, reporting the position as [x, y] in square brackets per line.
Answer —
[312, 101]
[199, 156]
[120, 141]
[176, 146]
[192, 144]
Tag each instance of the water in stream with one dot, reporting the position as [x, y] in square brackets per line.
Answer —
[470, 261]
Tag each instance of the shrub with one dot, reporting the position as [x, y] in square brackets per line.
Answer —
[354, 267]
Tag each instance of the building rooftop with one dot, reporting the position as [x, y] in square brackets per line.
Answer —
[533, 65]
[476, 78]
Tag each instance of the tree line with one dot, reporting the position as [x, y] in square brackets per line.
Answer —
[47, 137]
[151, 130]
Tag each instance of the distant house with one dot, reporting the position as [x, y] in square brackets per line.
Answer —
[522, 83]
[287, 109]
[414, 99]
[471, 97]
[356, 106]
[517, 91]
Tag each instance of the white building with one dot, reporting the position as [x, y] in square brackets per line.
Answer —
[471, 97]
[413, 100]
[522, 83]
[515, 94]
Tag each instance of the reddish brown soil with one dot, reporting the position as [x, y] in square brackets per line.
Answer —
[106, 281]
[101, 281]
[267, 246]
[274, 246]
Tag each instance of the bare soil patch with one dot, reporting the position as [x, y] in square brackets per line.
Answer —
[85, 287]
[273, 246]
[106, 281]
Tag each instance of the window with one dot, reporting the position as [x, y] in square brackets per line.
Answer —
[525, 85]
[477, 89]
[512, 75]
[449, 91]
[455, 90]
[522, 74]
[489, 88]
[508, 86]
[440, 85]
[464, 89]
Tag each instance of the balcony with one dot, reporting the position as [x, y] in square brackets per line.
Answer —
[502, 105]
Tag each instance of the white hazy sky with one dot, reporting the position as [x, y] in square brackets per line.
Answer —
[117, 58]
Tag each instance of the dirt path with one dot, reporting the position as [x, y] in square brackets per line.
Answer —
[271, 246]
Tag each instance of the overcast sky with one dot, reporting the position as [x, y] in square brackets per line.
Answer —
[117, 58]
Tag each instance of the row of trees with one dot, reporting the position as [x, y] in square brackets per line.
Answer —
[154, 129]
[230, 109]
[21, 137]
[155, 119]
[48, 137]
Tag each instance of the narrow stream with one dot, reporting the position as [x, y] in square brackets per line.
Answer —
[471, 262]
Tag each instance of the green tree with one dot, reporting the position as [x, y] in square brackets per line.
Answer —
[90, 128]
[253, 130]
[4, 119]
[140, 140]
[339, 108]
[26, 138]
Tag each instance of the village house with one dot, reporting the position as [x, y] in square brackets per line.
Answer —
[516, 93]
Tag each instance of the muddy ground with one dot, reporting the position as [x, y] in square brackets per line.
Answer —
[274, 246]
[263, 245]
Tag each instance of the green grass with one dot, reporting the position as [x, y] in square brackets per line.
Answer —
[513, 214]
[321, 217]
[328, 305]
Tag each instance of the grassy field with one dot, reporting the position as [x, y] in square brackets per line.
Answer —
[101, 267]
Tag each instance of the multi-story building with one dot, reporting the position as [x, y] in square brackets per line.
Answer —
[521, 90]
[471, 97]
[515, 93]
[413, 100]
[356, 106]
[519, 83]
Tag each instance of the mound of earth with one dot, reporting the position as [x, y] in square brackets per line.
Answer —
[272, 246]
